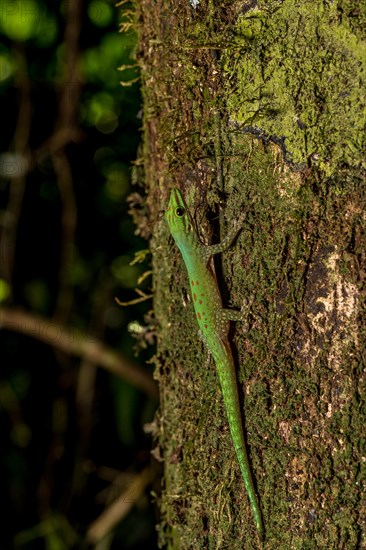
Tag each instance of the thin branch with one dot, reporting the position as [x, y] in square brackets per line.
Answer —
[67, 119]
[86, 387]
[68, 227]
[73, 342]
[119, 509]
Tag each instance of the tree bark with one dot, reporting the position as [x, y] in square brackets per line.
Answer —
[261, 106]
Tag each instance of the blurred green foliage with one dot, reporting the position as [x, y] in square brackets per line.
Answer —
[100, 13]
[49, 495]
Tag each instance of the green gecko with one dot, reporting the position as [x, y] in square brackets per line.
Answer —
[213, 321]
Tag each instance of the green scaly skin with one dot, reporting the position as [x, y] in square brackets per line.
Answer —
[213, 321]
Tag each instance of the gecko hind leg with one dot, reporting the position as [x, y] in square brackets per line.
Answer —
[224, 315]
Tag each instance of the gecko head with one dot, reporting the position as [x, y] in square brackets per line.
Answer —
[177, 216]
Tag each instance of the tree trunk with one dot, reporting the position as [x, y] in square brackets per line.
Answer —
[261, 106]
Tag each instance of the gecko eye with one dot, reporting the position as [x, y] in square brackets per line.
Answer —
[180, 211]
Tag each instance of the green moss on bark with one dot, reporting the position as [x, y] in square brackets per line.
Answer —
[301, 76]
[288, 70]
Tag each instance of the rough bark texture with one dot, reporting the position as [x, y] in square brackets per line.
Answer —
[261, 105]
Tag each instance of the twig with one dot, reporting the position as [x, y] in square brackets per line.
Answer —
[67, 118]
[119, 509]
[73, 342]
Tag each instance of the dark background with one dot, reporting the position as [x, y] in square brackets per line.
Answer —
[72, 434]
